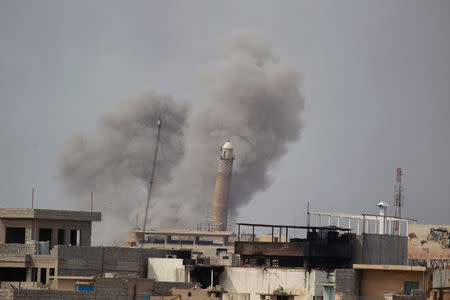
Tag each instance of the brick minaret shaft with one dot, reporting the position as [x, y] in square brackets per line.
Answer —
[219, 212]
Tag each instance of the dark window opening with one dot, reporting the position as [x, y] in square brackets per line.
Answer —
[34, 273]
[15, 235]
[409, 286]
[221, 250]
[52, 272]
[13, 274]
[45, 235]
[61, 234]
[43, 275]
[75, 237]
[189, 294]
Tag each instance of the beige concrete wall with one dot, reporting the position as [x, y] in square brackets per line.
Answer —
[257, 280]
[268, 237]
[379, 282]
[193, 294]
[167, 269]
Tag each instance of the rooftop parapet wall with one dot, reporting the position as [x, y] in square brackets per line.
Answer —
[90, 261]
[340, 249]
[30, 213]
[17, 249]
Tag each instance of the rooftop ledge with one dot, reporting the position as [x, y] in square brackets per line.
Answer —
[51, 214]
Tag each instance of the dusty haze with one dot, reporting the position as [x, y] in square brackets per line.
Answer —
[249, 94]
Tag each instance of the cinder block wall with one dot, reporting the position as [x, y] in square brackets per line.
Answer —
[347, 282]
[91, 261]
[17, 249]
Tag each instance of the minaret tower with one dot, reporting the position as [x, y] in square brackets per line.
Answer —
[219, 212]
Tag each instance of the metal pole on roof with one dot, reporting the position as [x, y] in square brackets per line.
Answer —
[158, 124]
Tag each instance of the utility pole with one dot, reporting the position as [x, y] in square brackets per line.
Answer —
[158, 124]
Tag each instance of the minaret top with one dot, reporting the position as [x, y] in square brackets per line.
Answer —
[227, 146]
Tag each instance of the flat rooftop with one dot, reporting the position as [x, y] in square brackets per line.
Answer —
[51, 214]
[183, 232]
[388, 267]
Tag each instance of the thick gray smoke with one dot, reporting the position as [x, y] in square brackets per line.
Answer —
[248, 95]
[113, 161]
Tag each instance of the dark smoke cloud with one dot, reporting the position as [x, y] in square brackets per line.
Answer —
[249, 95]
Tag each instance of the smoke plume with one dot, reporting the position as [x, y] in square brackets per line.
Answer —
[249, 95]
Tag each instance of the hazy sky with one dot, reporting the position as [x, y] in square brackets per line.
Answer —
[376, 84]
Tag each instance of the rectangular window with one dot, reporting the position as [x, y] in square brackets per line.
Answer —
[45, 235]
[15, 235]
[75, 237]
[44, 275]
[410, 285]
[13, 274]
[61, 234]
[51, 272]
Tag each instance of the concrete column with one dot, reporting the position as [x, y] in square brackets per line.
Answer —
[85, 232]
[357, 228]
[407, 224]
[47, 275]
[329, 220]
[338, 221]
[29, 271]
[66, 236]
[318, 220]
[54, 237]
[38, 275]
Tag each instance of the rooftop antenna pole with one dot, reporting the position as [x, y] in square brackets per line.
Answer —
[308, 215]
[158, 124]
[92, 200]
[398, 200]
[32, 198]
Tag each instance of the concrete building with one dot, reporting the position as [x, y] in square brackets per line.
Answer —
[375, 281]
[207, 243]
[219, 212]
[324, 247]
[58, 227]
[28, 235]
[64, 250]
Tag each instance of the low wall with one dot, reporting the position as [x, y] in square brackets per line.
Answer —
[256, 281]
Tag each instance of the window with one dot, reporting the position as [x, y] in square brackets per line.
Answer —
[225, 257]
[45, 235]
[43, 275]
[189, 294]
[51, 272]
[15, 235]
[13, 274]
[410, 285]
[75, 237]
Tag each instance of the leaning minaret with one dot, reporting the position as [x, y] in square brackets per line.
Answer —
[219, 212]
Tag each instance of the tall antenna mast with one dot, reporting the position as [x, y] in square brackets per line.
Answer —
[398, 200]
[158, 125]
